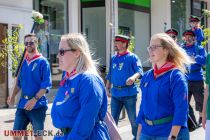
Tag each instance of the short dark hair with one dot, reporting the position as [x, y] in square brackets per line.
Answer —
[32, 36]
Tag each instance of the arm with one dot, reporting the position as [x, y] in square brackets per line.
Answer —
[108, 87]
[206, 91]
[137, 67]
[199, 35]
[206, 95]
[201, 57]
[179, 91]
[11, 100]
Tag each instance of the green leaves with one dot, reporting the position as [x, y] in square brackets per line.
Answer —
[12, 49]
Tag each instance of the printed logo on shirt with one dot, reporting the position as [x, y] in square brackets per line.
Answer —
[145, 84]
[34, 66]
[114, 66]
[121, 66]
[72, 90]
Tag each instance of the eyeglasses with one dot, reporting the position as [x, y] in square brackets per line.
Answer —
[29, 43]
[153, 47]
[62, 51]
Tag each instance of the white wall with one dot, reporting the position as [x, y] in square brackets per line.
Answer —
[13, 12]
[142, 36]
[160, 14]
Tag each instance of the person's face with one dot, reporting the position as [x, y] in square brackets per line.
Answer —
[189, 39]
[30, 44]
[157, 53]
[67, 57]
[119, 46]
[194, 24]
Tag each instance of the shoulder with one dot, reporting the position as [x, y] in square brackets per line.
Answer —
[43, 60]
[147, 74]
[176, 75]
[90, 77]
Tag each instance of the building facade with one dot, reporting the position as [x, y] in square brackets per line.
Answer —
[99, 20]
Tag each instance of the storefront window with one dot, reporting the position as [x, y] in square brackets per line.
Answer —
[180, 12]
[94, 27]
[49, 33]
[134, 21]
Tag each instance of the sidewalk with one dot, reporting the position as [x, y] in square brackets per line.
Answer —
[7, 119]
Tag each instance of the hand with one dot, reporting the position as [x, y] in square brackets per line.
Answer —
[204, 120]
[130, 81]
[30, 104]
[11, 100]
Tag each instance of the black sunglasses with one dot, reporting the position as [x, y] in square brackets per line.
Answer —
[62, 51]
[29, 43]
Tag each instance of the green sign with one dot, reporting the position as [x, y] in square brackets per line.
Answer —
[144, 3]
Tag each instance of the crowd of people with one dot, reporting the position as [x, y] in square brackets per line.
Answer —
[80, 105]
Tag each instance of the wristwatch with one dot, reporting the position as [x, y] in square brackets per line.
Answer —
[172, 137]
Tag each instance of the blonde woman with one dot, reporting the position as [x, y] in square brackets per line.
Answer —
[164, 106]
[81, 102]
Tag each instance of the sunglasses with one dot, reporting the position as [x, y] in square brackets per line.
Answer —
[29, 43]
[62, 51]
[153, 47]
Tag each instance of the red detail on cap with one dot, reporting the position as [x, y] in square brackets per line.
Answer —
[188, 33]
[121, 39]
[172, 32]
[194, 19]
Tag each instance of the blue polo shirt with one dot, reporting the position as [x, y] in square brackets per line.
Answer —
[162, 97]
[121, 68]
[34, 76]
[79, 104]
[195, 71]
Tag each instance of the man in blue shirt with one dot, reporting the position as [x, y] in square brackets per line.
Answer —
[125, 68]
[34, 80]
[195, 72]
[194, 22]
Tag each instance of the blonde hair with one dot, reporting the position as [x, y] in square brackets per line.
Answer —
[176, 54]
[78, 42]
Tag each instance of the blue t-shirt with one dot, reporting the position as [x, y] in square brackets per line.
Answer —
[34, 76]
[195, 71]
[163, 97]
[121, 68]
[80, 104]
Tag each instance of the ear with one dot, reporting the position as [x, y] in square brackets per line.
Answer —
[77, 53]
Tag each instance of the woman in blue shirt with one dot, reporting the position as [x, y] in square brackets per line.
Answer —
[81, 102]
[164, 106]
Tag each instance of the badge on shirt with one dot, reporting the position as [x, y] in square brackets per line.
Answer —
[34, 66]
[120, 66]
[72, 90]
[145, 84]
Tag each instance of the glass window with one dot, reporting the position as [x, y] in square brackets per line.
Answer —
[49, 33]
[180, 12]
[94, 27]
[136, 24]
